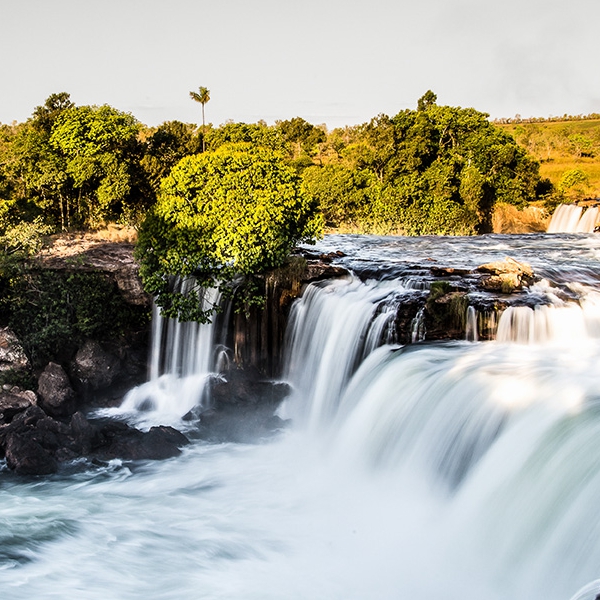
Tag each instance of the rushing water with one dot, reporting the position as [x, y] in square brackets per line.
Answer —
[570, 218]
[463, 470]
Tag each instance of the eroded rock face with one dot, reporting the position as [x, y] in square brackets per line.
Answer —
[12, 355]
[84, 253]
[56, 396]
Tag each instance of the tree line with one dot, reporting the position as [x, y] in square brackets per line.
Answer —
[433, 170]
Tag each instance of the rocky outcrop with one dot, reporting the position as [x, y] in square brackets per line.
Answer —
[89, 254]
[35, 443]
[506, 276]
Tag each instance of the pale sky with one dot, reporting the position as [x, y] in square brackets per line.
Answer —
[338, 62]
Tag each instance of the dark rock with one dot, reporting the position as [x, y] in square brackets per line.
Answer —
[56, 396]
[126, 443]
[242, 407]
[244, 387]
[82, 433]
[93, 368]
[26, 456]
[15, 401]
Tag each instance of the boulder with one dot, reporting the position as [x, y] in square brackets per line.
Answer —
[56, 396]
[118, 440]
[13, 401]
[12, 355]
[26, 456]
[93, 368]
[506, 276]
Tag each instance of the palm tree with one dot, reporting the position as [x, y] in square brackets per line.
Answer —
[202, 96]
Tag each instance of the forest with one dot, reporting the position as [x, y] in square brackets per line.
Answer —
[432, 170]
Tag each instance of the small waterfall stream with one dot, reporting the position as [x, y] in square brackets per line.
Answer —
[570, 218]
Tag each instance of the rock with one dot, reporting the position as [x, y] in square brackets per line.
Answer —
[56, 396]
[506, 276]
[82, 433]
[94, 369]
[26, 456]
[127, 443]
[242, 407]
[15, 401]
[86, 253]
[12, 355]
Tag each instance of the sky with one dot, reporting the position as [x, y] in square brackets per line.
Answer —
[332, 62]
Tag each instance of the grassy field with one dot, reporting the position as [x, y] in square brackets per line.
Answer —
[569, 153]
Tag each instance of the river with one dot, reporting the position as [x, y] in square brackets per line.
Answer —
[460, 469]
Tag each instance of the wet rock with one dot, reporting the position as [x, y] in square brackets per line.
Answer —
[118, 440]
[506, 276]
[82, 434]
[26, 456]
[13, 401]
[245, 387]
[93, 368]
[319, 270]
[12, 355]
[56, 396]
[242, 407]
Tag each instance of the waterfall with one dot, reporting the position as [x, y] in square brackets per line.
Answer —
[182, 356]
[507, 430]
[333, 327]
[570, 218]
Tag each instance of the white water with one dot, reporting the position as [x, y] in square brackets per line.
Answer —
[182, 357]
[465, 470]
[570, 218]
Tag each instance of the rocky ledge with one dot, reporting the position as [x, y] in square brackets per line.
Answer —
[34, 442]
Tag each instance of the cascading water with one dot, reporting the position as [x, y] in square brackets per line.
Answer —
[464, 469]
[182, 356]
[570, 218]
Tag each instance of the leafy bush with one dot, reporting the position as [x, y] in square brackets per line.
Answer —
[237, 211]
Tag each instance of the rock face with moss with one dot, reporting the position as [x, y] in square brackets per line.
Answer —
[78, 338]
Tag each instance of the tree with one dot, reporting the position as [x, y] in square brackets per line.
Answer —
[100, 147]
[237, 211]
[202, 96]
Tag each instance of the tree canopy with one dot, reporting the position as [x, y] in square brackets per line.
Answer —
[233, 212]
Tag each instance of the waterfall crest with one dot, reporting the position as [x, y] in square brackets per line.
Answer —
[570, 218]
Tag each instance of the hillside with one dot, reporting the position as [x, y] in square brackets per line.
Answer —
[568, 150]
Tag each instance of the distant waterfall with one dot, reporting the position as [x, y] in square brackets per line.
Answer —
[570, 218]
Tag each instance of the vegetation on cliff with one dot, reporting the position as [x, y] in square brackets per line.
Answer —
[233, 212]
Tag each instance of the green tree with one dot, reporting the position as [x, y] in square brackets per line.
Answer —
[233, 212]
[100, 147]
[165, 146]
[202, 96]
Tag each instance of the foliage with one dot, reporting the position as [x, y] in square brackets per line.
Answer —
[97, 144]
[236, 211]
[165, 146]
[51, 312]
[439, 169]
